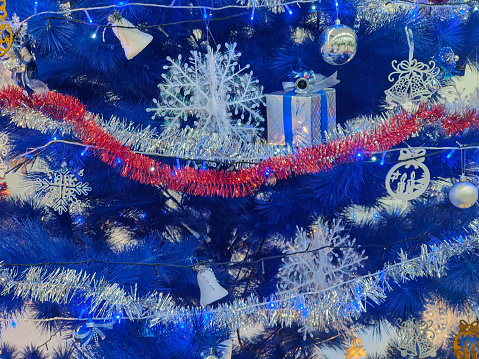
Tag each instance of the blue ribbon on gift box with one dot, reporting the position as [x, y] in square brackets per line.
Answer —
[288, 114]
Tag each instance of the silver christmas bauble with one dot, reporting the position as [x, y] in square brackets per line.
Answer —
[339, 44]
[463, 195]
[433, 86]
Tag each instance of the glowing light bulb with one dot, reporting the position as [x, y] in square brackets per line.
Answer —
[449, 155]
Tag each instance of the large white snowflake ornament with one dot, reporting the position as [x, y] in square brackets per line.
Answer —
[326, 259]
[62, 188]
[214, 90]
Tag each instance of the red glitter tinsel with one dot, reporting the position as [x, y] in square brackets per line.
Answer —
[212, 182]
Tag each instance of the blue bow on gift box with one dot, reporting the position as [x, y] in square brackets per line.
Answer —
[91, 330]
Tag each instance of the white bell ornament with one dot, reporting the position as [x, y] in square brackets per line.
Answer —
[210, 289]
[132, 40]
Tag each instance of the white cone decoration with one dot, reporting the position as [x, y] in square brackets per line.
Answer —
[132, 40]
[210, 289]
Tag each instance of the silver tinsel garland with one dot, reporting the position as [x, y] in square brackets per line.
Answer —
[185, 144]
[107, 300]
[374, 14]
[191, 144]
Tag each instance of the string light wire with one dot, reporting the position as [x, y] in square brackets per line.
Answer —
[162, 6]
[35, 152]
[471, 4]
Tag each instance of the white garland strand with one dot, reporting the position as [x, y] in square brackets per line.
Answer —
[375, 14]
[107, 300]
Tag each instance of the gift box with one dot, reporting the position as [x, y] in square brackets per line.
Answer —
[300, 119]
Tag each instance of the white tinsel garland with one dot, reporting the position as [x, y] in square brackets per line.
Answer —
[286, 309]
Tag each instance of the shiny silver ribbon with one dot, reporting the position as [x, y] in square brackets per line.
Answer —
[317, 83]
[94, 329]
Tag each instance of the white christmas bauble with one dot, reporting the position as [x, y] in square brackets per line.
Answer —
[339, 44]
[463, 195]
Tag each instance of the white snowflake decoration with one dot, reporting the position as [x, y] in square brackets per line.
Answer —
[3, 153]
[62, 188]
[330, 260]
[213, 89]
[416, 81]
[463, 90]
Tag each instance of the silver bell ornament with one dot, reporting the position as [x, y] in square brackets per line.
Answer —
[210, 289]
[463, 194]
[339, 44]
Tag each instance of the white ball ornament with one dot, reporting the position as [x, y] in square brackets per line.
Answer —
[463, 194]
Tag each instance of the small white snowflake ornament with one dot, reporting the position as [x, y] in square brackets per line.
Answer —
[409, 178]
[328, 260]
[62, 188]
[416, 81]
[416, 339]
[214, 90]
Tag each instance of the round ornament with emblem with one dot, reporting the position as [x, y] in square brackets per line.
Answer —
[409, 178]
[466, 342]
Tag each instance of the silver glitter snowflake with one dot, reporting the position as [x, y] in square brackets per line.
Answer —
[62, 188]
[215, 91]
[330, 259]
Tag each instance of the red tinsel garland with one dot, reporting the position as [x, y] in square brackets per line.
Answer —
[212, 182]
